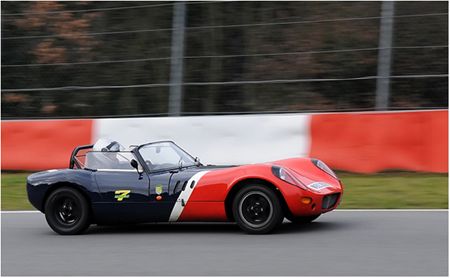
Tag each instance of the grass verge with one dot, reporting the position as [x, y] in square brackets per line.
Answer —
[395, 190]
[14, 192]
[384, 190]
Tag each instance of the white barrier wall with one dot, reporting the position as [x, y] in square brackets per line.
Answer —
[218, 140]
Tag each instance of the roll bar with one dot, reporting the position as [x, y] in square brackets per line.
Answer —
[73, 160]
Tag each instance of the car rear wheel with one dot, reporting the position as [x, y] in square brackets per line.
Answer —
[257, 209]
[303, 219]
[67, 211]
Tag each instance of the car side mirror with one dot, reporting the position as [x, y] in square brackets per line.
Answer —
[135, 165]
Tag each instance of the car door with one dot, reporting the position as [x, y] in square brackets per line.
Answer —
[124, 195]
[124, 192]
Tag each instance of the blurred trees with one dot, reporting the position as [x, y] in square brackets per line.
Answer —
[67, 31]
[89, 44]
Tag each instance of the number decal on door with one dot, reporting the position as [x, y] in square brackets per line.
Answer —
[122, 194]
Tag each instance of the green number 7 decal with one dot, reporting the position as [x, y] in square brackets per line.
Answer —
[122, 194]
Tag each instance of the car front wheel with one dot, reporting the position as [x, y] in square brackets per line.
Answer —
[67, 211]
[257, 209]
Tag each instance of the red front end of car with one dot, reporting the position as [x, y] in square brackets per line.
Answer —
[308, 186]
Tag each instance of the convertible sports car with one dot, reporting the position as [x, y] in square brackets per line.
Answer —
[160, 182]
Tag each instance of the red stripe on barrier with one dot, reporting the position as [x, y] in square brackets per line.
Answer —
[38, 145]
[372, 142]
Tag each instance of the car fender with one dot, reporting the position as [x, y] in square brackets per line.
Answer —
[40, 184]
[207, 200]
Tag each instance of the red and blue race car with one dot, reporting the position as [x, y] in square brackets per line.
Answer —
[160, 182]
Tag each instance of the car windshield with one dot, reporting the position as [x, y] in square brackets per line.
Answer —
[165, 155]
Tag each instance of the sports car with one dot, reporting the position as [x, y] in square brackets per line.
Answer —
[160, 182]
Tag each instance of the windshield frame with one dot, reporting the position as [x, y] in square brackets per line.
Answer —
[147, 169]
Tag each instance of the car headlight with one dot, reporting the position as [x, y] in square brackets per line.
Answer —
[318, 185]
[322, 166]
[287, 176]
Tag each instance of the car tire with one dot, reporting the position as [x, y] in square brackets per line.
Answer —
[67, 211]
[303, 219]
[257, 209]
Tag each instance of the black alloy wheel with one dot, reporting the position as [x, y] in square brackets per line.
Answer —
[67, 211]
[257, 209]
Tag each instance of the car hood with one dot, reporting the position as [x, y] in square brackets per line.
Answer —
[304, 169]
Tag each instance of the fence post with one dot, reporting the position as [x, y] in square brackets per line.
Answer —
[176, 60]
[384, 55]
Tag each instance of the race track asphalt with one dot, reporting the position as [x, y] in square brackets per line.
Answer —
[338, 243]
